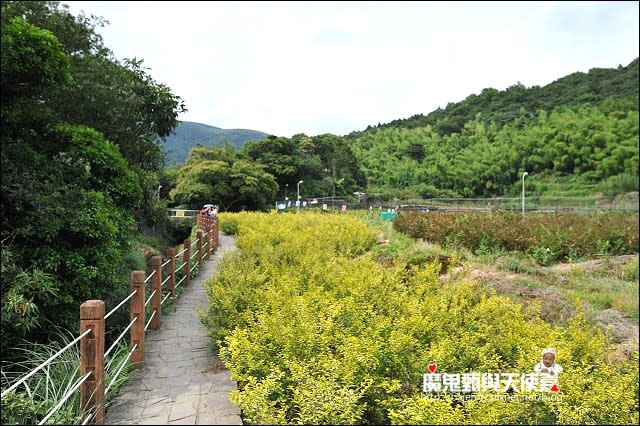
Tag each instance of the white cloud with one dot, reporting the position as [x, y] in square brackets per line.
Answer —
[286, 68]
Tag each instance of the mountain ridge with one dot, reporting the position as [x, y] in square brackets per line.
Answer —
[189, 134]
[503, 106]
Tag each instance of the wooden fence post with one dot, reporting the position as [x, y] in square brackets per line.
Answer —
[92, 358]
[156, 300]
[211, 237]
[187, 261]
[172, 271]
[217, 232]
[137, 310]
[199, 255]
[215, 235]
[207, 251]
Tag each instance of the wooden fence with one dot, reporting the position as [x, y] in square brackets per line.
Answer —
[92, 320]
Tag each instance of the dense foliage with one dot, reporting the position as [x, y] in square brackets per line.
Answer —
[547, 237]
[218, 175]
[576, 136]
[325, 163]
[20, 314]
[588, 144]
[80, 162]
[315, 330]
[120, 99]
[188, 135]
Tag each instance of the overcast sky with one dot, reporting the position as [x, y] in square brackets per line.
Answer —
[287, 68]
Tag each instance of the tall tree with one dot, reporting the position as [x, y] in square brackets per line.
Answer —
[216, 175]
[118, 98]
[70, 193]
[325, 162]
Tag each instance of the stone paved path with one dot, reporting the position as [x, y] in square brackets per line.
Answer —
[182, 381]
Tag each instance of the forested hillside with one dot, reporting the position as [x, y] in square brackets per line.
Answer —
[506, 105]
[587, 144]
[576, 136]
[188, 134]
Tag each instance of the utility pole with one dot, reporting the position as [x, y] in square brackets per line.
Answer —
[523, 175]
[333, 177]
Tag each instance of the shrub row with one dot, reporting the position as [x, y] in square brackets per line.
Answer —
[316, 331]
[546, 236]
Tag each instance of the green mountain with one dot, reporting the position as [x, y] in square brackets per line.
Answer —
[575, 136]
[505, 105]
[189, 134]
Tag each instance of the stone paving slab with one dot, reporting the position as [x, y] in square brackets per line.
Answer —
[181, 382]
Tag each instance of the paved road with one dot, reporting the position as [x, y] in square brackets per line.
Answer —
[182, 381]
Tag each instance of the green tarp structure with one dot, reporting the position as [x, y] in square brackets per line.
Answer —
[388, 215]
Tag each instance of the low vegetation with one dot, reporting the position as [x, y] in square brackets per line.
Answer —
[546, 237]
[321, 322]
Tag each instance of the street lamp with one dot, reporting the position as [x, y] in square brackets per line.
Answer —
[299, 189]
[523, 175]
[286, 185]
[298, 202]
[159, 191]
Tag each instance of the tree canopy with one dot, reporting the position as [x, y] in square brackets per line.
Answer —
[325, 162]
[80, 161]
[588, 144]
[217, 175]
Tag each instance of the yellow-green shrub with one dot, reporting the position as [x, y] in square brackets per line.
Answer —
[316, 331]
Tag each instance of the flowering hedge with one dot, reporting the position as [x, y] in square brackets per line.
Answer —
[546, 236]
[316, 331]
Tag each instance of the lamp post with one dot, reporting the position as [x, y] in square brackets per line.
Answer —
[298, 202]
[286, 185]
[159, 191]
[523, 175]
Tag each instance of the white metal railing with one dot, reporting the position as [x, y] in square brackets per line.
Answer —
[150, 275]
[150, 318]
[113, 345]
[180, 282]
[165, 280]
[121, 303]
[115, 376]
[149, 298]
[38, 368]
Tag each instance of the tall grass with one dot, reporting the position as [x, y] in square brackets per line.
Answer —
[33, 400]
